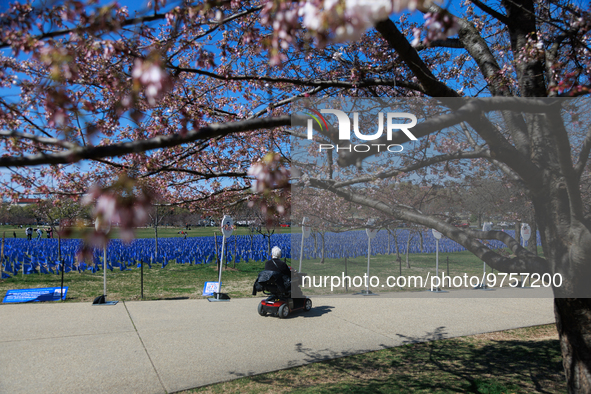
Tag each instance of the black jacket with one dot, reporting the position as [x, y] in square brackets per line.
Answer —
[271, 281]
[277, 265]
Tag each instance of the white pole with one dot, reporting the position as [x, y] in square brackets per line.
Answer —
[368, 253]
[301, 252]
[437, 258]
[221, 264]
[523, 245]
[105, 270]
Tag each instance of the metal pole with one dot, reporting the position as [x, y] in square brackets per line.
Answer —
[59, 254]
[368, 253]
[301, 252]
[2, 257]
[523, 245]
[346, 286]
[437, 258]
[105, 270]
[142, 277]
[221, 265]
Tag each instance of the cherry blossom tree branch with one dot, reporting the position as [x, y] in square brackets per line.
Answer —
[470, 111]
[205, 175]
[38, 139]
[505, 168]
[122, 148]
[530, 72]
[217, 26]
[362, 83]
[483, 153]
[432, 86]
[65, 32]
[448, 43]
[492, 12]
[479, 50]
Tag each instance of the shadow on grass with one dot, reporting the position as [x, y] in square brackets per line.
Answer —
[430, 364]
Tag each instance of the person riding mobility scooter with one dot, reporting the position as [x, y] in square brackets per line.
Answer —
[282, 285]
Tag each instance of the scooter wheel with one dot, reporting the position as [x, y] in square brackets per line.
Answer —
[308, 305]
[261, 311]
[283, 311]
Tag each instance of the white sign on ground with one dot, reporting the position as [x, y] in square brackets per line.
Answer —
[436, 234]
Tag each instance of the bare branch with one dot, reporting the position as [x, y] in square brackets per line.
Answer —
[448, 43]
[431, 85]
[492, 12]
[40, 140]
[363, 83]
[413, 167]
[119, 149]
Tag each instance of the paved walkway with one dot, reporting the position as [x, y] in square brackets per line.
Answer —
[168, 346]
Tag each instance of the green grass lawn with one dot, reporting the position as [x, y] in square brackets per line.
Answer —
[173, 281]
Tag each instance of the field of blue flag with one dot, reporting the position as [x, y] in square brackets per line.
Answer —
[41, 256]
[352, 244]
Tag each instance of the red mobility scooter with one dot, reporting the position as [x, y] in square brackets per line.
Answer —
[281, 302]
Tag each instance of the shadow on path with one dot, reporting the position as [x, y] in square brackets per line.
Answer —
[430, 364]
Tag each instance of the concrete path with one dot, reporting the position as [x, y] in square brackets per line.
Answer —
[168, 346]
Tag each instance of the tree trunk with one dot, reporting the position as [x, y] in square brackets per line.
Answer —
[532, 244]
[573, 322]
[518, 232]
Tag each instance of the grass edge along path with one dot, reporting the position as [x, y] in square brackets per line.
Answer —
[523, 360]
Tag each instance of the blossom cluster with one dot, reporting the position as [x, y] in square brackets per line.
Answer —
[271, 180]
[439, 25]
[149, 75]
[122, 204]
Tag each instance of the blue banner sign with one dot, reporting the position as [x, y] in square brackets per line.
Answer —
[35, 295]
[210, 287]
